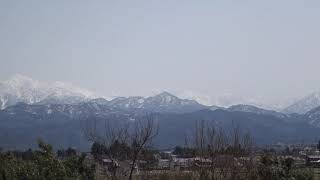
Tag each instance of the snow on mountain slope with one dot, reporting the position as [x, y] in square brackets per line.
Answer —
[305, 104]
[167, 99]
[256, 110]
[228, 99]
[199, 97]
[313, 116]
[21, 88]
[163, 102]
[129, 102]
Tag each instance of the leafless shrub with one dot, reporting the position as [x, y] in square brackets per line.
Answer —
[229, 154]
[137, 134]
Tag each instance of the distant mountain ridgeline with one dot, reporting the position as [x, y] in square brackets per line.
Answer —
[58, 112]
[20, 88]
[62, 124]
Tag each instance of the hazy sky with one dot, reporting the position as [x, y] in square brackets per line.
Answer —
[265, 48]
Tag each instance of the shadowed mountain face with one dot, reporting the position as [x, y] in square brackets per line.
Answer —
[255, 110]
[63, 125]
[60, 124]
[313, 117]
[265, 128]
[59, 113]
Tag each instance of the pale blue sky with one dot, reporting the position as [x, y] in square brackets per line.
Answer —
[269, 48]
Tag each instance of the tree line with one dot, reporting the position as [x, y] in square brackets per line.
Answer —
[220, 155]
[44, 164]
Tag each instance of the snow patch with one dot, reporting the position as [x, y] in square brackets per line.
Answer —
[21, 88]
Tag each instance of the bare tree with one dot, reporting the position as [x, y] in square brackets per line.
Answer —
[229, 153]
[145, 129]
[240, 148]
[201, 145]
[107, 135]
[138, 134]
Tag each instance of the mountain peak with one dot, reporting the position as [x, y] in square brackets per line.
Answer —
[316, 94]
[166, 94]
[21, 88]
[19, 80]
[305, 104]
[165, 98]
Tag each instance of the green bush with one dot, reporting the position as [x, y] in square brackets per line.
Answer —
[44, 165]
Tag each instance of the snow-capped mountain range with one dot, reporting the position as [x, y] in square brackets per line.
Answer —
[60, 111]
[305, 104]
[24, 89]
[229, 99]
[163, 102]
[21, 88]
